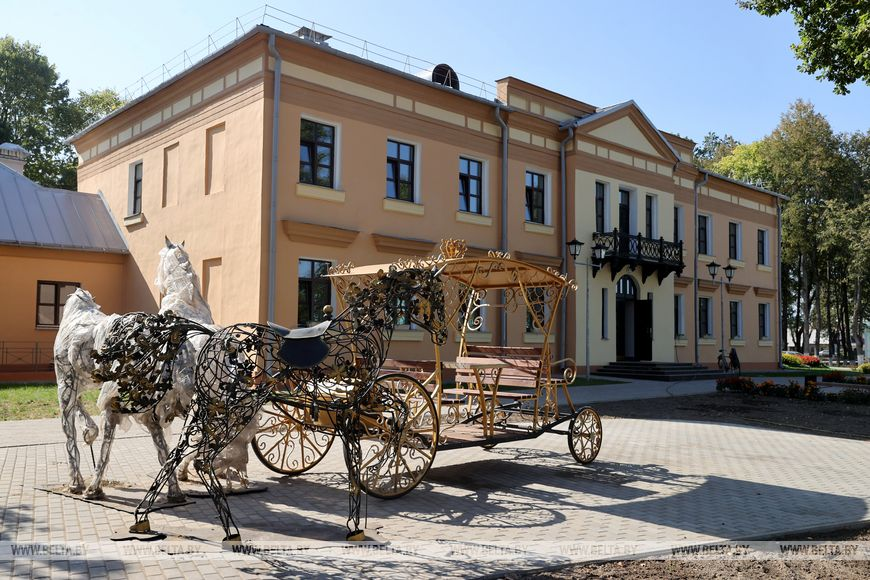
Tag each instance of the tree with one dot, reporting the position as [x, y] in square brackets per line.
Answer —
[713, 149]
[834, 37]
[36, 112]
[805, 160]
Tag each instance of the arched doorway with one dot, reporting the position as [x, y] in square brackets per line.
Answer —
[633, 322]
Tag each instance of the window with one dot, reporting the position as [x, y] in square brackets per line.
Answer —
[535, 197]
[400, 171]
[317, 154]
[705, 321]
[470, 185]
[604, 311]
[403, 320]
[703, 234]
[536, 316]
[600, 207]
[50, 298]
[735, 311]
[651, 229]
[678, 224]
[315, 291]
[679, 316]
[134, 199]
[763, 255]
[763, 321]
[735, 241]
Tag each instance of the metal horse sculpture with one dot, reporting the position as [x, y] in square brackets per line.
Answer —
[84, 329]
[331, 367]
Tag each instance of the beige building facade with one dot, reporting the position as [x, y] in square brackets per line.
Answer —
[366, 164]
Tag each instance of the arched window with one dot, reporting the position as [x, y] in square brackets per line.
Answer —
[626, 288]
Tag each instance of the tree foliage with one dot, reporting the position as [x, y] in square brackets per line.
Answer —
[826, 221]
[37, 112]
[834, 37]
[713, 149]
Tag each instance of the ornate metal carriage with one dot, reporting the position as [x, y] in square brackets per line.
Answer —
[494, 394]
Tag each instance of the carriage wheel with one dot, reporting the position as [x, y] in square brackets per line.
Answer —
[396, 457]
[288, 441]
[584, 436]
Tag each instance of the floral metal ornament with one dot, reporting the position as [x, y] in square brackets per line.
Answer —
[243, 367]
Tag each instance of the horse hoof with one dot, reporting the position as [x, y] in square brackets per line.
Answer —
[230, 541]
[76, 488]
[94, 494]
[356, 536]
[142, 527]
[176, 498]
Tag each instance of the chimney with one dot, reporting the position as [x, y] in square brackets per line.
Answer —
[13, 156]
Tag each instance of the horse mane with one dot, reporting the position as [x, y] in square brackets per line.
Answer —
[179, 286]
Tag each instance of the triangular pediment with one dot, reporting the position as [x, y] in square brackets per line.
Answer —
[627, 126]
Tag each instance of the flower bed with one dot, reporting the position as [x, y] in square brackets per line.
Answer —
[794, 390]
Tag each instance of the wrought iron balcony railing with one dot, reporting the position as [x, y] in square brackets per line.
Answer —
[652, 256]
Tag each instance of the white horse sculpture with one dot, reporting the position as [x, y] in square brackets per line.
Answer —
[83, 330]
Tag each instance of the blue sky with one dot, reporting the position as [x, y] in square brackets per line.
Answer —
[692, 66]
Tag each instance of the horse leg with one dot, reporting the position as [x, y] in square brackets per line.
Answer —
[174, 495]
[175, 457]
[67, 396]
[353, 460]
[110, 422]
[204, 467]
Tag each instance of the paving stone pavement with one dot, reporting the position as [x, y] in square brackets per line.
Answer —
[518, 506]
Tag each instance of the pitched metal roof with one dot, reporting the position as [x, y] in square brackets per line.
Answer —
[37, 216]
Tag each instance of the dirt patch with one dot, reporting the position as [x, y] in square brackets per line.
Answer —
[816, 417]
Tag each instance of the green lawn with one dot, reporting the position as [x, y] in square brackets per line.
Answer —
[36, 402]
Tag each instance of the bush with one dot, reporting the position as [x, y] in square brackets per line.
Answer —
[791, 360]
[741, 384]
[864, 368]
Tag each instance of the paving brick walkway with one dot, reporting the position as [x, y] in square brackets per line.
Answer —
[518, 506]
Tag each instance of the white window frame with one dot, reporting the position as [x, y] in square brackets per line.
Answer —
[484, 182]
[418, 168]
[680, 234]
[680, 330]
[607, 223]
[739, 239]
[766, 306]
[766, 246]
[739, 304]
[711, 249]
[131, 172]
[548, 194]
[706, 332]
[655, 214]
[336, 149]
[333, 297]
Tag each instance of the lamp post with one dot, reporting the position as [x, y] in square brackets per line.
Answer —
[574, 247]
[713, 268]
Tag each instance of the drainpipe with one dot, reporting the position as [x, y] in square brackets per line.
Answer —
[698, 186]
[504, 206]
[273, 189]
[779, 312]
[563, 243]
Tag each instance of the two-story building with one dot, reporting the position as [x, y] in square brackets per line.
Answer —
[343, 159]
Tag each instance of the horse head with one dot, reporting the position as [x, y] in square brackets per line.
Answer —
[80, 300]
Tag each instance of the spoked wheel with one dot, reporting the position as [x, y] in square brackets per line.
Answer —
[584, 436]
[400, 436]
[289, 440]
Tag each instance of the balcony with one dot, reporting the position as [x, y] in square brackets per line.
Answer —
[652, 256]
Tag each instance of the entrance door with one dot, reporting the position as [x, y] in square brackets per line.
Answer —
[643, 329]
[626, 299]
